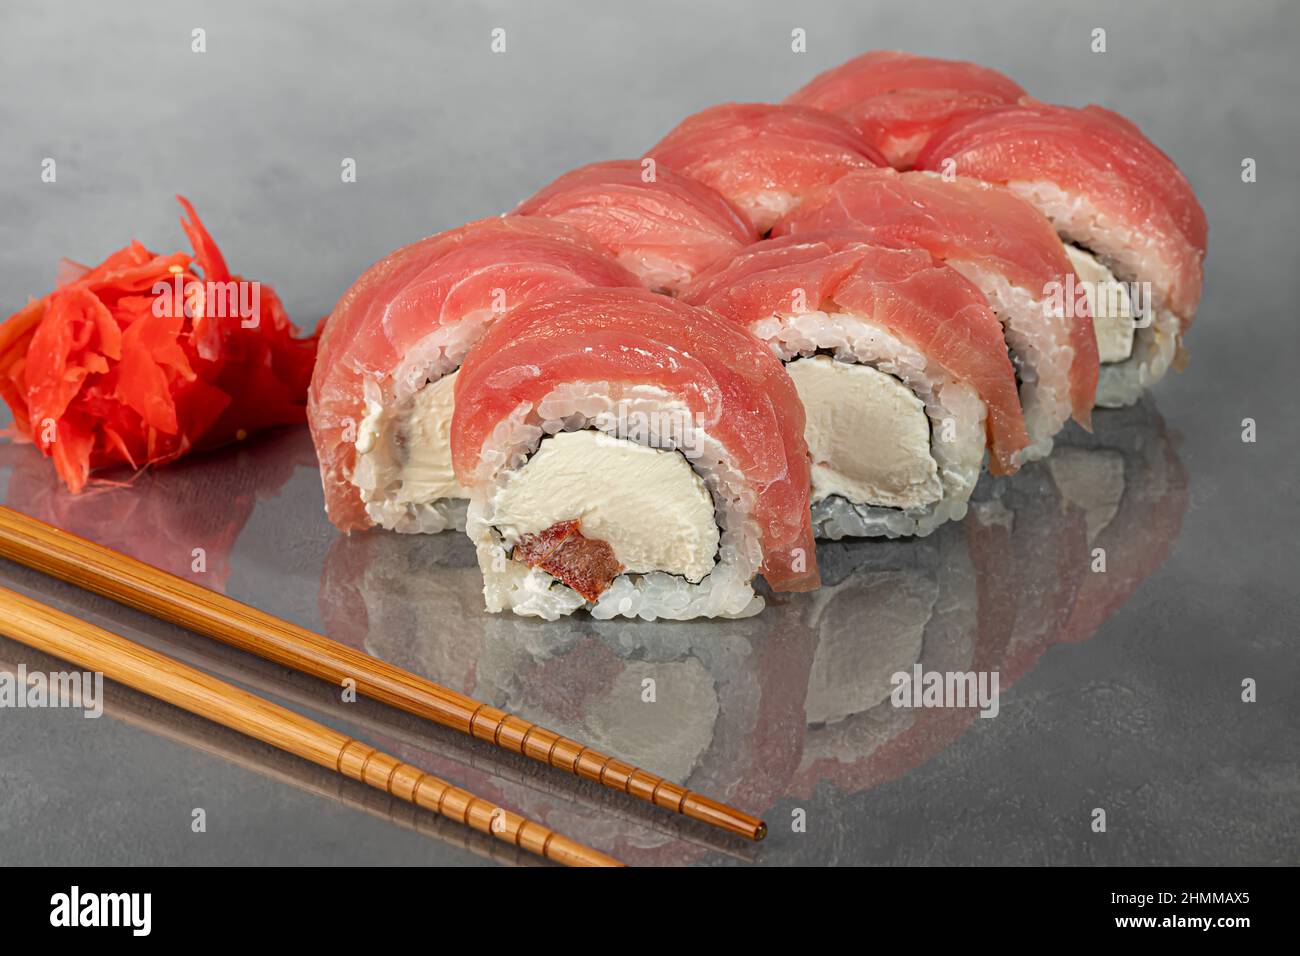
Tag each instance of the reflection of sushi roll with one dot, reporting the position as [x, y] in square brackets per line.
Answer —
[1007, 249]
[901, 368]
[1125, 210]
[588, 683]
[724, 715]
[886, 608]
[713, 705]
[410, 600]
[1120, 489]
[874, 623]
[633, 455]
[661, 225]
[1132, 487]
[898, 100]
[763, 157]
[381, 396]
[1046, 557]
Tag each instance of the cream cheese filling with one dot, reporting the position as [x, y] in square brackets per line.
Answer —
[648, 504]
[404, 454]
[1110, 303]
[868, 435]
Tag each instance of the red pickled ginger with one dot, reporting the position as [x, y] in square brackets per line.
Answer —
[147, 357]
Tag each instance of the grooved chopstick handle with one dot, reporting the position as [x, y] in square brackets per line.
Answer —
[532, 740]
[138, 585]
[370, 766]
[157, 675]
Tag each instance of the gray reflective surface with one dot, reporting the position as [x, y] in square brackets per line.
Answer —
[1119, 690]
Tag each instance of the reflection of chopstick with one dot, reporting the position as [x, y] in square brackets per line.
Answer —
[144, 713]
[138, 667]
[170, 598]
[399, 730]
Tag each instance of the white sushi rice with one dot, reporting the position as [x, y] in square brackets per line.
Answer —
[510, 585]
[382, 451]
[854, 338]
[1040, 348]
[1131, 255]
[658, 273]
[766, 207]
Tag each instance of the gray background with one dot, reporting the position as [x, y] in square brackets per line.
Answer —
[1143, 718]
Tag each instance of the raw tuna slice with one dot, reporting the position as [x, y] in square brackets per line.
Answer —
[1100, 160]
[1112, 194]
[410, 319]
[897, 100]
[906, 291]
[764, 157]
[597, 359]
[663, 226]
[1003, 245]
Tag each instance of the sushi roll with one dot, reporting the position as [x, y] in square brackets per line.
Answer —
[1008, 250]
[764, 157]
[631, 455]
[663, 226]
[896, 101]
[901, 368]
[1131, 223]
[381, 394]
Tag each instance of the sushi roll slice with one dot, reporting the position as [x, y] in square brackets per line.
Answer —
[381, 394]
[663, 226]
[632, 455]
[1132, 225]
[764, 157]
[897, 100]
[1005, 247]
[901, 367]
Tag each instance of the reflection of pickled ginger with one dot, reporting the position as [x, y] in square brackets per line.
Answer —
[161, 516]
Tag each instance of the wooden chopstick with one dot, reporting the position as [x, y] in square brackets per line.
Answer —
[170, 598]
[157, 675]
[387, 728]
[189, 730]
